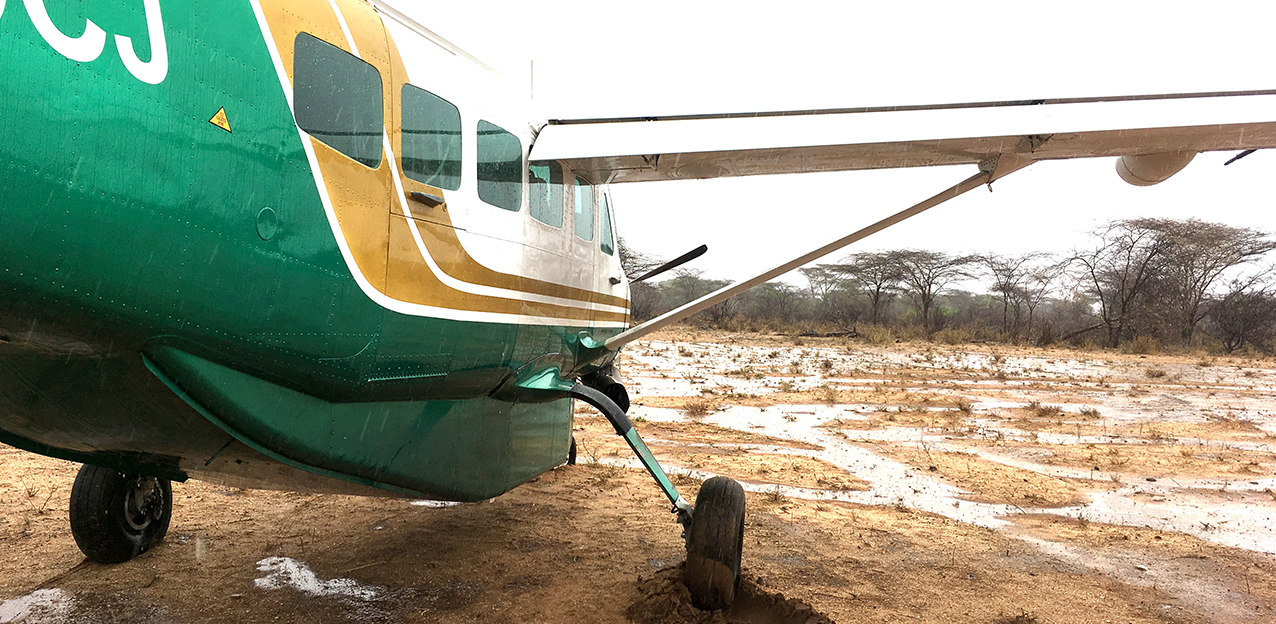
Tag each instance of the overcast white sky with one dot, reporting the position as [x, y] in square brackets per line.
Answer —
[596, 59]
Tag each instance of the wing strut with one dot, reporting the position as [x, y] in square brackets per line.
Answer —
[989, 171]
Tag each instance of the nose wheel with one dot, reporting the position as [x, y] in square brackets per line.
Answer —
[714, 528]
[115, 516]
[715, 541]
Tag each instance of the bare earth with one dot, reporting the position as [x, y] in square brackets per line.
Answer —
[914, 483]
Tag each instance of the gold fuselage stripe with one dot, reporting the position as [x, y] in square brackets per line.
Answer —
[368, 212]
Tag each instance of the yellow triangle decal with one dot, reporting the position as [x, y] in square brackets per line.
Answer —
[220, 120]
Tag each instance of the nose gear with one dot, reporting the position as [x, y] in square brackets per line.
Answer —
[713, 529]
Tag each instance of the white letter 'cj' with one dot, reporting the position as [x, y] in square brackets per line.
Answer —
[154, 70]
[88, 46]
[84, 48]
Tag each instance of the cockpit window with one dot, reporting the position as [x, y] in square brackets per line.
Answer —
[431, 139]
[500, 167]
[584, 213]
[545, 185]
[337, 99]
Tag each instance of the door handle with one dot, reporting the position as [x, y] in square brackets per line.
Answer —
[429, 199]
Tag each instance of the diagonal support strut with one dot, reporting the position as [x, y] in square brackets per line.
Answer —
[997, 167]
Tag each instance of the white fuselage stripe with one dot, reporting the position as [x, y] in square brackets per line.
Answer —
[345, 28]
[479, 289]
[402, 307]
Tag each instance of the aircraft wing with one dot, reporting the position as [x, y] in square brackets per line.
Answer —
[741, 144]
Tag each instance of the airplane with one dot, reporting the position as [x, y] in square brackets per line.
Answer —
[312, 245]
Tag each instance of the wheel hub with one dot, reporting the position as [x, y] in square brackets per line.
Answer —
[144, 503]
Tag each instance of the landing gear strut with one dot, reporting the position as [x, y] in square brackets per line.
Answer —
[714, 528]
[116, 517]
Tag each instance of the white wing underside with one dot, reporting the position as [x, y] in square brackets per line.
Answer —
[711, 146]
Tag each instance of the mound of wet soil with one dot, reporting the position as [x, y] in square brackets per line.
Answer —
[665, 600]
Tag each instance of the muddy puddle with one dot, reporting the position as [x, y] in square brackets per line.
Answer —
[1091, 422]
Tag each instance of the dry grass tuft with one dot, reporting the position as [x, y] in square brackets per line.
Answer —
[698, 408]
[33, 501]
[685, 478]
[604, 473]
[775, 496]
[1044, 411]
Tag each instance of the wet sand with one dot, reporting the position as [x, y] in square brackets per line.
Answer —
[910, 483]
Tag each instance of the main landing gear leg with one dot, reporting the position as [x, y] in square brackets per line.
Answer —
[714, 528]
[116, 517]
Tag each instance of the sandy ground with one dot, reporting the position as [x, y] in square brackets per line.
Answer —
[914, 483]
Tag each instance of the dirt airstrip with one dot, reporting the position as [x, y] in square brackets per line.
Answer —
[896, 483]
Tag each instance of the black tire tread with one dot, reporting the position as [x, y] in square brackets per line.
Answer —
[96, 517]
[715, 541]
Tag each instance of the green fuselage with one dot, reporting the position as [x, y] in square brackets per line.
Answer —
[154, 320]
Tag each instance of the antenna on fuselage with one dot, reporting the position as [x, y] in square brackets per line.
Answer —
[673, 264]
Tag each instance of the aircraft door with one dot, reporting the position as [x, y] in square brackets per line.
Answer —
[611, 275]
[425, 138]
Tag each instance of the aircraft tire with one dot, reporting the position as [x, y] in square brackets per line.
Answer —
[715, 541]
[116, 517]
[619, 395]
[571, 453]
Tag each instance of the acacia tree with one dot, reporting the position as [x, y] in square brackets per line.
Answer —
[1157, 275]
[1118, 272]
[688, 285]
[632, 261]
[1010, 276]
[838, 294]
[1245, 313]
[775, 301]
[1038, 286]
[1199, 254]
[925, 274]
[645, 300]
[821, 278]
[822, 282]
[685, 286]
[877, 275]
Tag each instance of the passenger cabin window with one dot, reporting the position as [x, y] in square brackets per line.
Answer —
[338, 99]
[431, 139]
[545, 184]
[584, 218]
[500, 167]
[608, 242]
